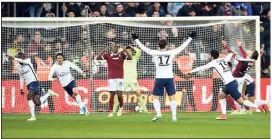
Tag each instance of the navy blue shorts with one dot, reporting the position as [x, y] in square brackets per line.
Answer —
[232, 90]
[250, 89]
[161, 83]
[69, 87]
[33, 87]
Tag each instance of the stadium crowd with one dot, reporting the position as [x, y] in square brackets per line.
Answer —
[156, 9]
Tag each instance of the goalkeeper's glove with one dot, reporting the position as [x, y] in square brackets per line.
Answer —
[192, 34]
[134, 36]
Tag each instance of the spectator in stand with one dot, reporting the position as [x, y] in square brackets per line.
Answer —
[47, 10]
[132, 9]
[119, 11]
[173, 8]
[15, 48]
[143, 14]
[71, 13]
[156, 14]
[207, 10]
[266, 38]
[227, 10]
[35, 9]
[37, 42]
[95, 6]
[246, 8]
[157, 8]
[243, 12]
[103, 11]
[191, 12]
[185, 9]
[75, 8]
[110, 8]
[145, 7]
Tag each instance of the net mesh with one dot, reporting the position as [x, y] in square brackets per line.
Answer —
[80, 42]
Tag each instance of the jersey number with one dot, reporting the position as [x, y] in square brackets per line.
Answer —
[162, 59]
[224, 65]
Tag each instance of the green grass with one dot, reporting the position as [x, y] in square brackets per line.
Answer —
[136, 125]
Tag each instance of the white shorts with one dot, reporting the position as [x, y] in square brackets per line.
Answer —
[240, 82]
[248, 79]
[131, 86]
[115, 85]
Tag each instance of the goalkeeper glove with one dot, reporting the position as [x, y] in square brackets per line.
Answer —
[134, 36]
[192, 34]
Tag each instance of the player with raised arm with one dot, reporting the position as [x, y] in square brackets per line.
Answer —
[130, 76]
[28, 75]
[115, 61]
[231, 85]
[241, 72]
[163, 60]
[62, 70]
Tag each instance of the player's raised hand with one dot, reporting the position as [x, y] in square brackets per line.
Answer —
[84, 74]
[134, 36]
[22, 92]
[238, 42]
[192, 34]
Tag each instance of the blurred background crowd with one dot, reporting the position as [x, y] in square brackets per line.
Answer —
[34, 38]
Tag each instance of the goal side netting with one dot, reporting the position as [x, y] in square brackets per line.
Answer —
[81, 39]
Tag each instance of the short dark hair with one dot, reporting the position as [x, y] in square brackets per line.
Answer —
[129, 47]
[255, 55]
[162, 43]
[59, 54]
[214, 54]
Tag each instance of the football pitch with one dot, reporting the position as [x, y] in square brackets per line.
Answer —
[136, 125]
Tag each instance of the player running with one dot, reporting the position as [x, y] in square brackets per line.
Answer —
[241, 72]
[62, 69]
[27, 74]
[231, 85]
[163, 60]
[130, 76]
[115, 62]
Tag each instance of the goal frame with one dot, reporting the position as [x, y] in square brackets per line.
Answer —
[202, 18]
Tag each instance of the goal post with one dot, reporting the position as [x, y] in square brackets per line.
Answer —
[81, 39]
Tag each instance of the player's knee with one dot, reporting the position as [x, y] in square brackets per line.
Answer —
[172, 98]
[74, 94]
[240, 101]
[30, 95]
[221, 95]
[36, 100]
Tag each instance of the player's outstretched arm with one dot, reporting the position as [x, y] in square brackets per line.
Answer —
[136, 39]
[184, 45]
[19, 60]
[99, 57]
[51, 73]
[205, 67]
[226, 46]
[242, 51]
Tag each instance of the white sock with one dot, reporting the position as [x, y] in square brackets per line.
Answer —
[260, 102]
[173, 106]
[43, 98]
[31, 106]
[223, 104]
[250, 104]
[79, 102]
[157, 106]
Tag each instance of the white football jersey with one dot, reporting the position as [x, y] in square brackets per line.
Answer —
[63, 72]
[164, 59]
[26, 70]
[221, 66]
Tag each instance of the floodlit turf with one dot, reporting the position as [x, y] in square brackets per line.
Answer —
[135, 125]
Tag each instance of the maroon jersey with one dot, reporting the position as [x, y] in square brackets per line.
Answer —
[115, 65]
[242, 67]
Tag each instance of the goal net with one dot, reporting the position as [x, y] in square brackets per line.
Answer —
[81, 39]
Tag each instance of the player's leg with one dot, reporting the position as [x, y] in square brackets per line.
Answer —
[112, 88]
[231, 103]
[223, 103]
[171, 91]
[135, 87]
[31, 105]
[120, 86]
[157, 91]
[33, 98]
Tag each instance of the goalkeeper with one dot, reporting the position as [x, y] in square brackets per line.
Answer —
[130, 76]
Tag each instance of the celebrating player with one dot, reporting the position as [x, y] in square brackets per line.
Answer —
[231, 85]
[115, 62]
[27, 74]
[164, 73]
[241, 70]
[62, 70]
[130, 76]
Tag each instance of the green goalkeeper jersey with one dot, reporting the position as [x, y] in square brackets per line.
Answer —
[130, 66]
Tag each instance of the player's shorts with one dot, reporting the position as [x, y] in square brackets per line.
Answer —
[161, 83]
[250, 90]
[131, 86]
[115, 85]
[240, 82]
[33, 87]
[69, 87]
[248, 79]
[232, 90]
